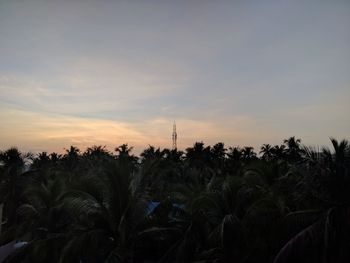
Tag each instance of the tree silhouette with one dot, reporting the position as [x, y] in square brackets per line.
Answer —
[12, 181]
[209, 204]
[293, 149]
[266, 151]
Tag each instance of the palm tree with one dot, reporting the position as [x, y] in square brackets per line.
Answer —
[55, 157]
[234, 160]
[97, 152]
[294, 149]
[248, 153]
[153, 176]
[71, 158]
[160, 170]
[326, 240]
[42, 222]
[108, 217]
[198, 156]
[225, 218]
[125, 158]
[278, 152]
[218, 155]
[292, 143]
[124, 151]
[12, 158]
[173, 155]
[235, 154]
[329, 183]
[335, 168]
[72, 152]
[12, 181]
[266, 151]
[341, 157]
[42, 160]
[151, 153]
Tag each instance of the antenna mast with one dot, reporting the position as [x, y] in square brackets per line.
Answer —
[174, 137]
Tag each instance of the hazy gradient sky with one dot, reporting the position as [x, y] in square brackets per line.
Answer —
[112, 72]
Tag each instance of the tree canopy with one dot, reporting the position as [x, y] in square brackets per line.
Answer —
[286, 203]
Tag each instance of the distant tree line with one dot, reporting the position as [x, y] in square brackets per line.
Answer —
[284, 203]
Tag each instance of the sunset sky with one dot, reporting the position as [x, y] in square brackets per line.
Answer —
[109, 72]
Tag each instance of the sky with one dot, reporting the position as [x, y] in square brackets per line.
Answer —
[103, 72]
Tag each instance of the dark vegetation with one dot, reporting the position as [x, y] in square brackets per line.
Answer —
[288, 203]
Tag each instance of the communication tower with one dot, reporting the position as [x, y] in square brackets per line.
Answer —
[174, 136]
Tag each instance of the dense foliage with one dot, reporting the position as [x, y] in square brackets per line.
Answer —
[286, 203]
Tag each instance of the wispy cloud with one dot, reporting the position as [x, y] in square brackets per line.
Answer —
[51, 132]
[242, 73]
[41, 131]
